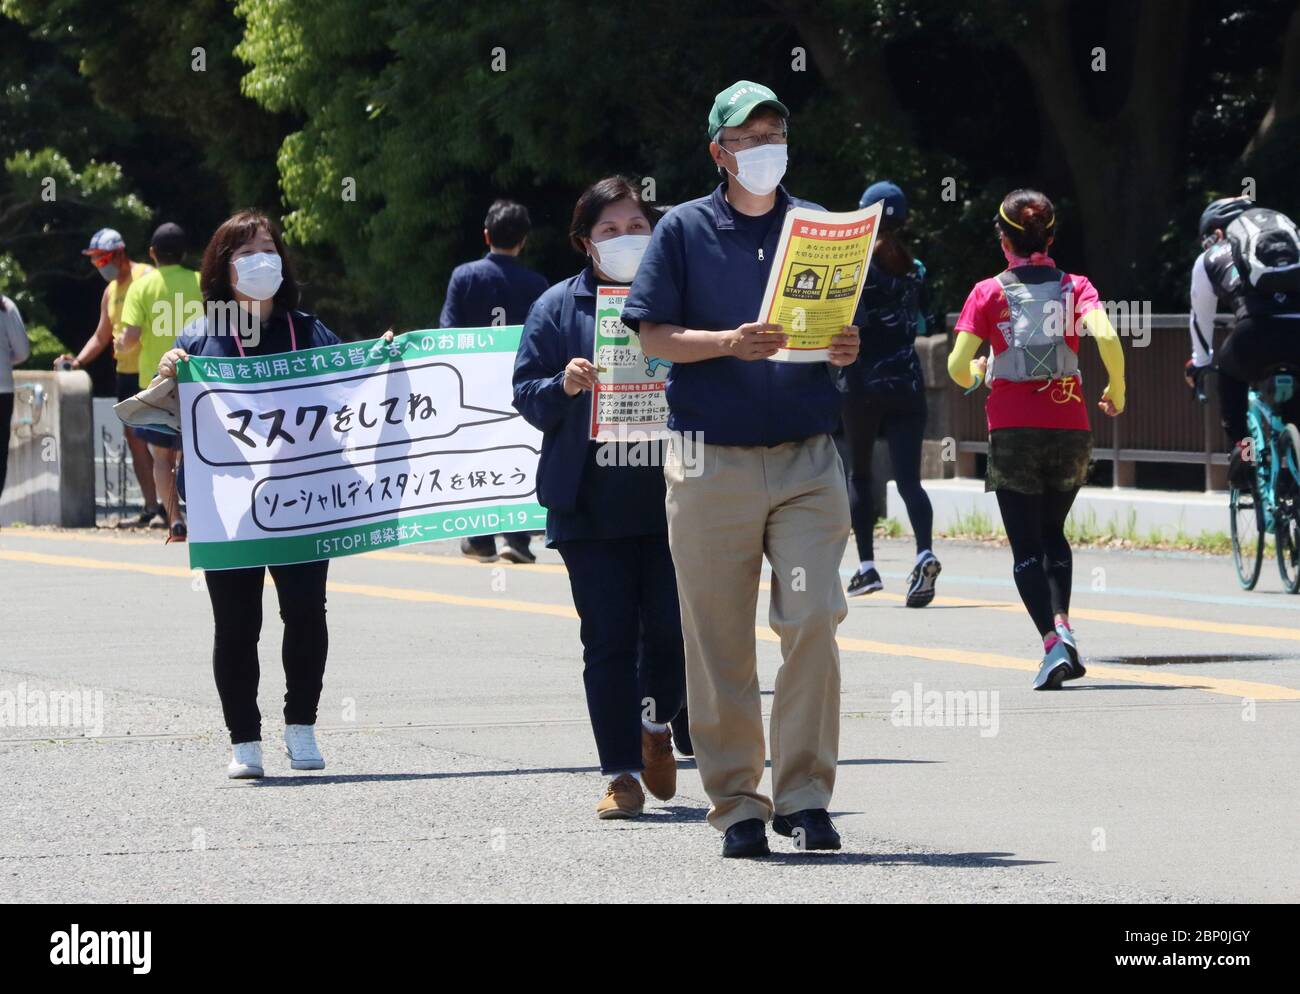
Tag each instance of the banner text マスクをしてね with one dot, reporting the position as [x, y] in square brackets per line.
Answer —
[350, 448]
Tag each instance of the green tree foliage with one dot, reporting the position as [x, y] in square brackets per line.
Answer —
[384, 128]
[44, 204]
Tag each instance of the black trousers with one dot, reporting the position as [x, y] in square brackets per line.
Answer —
[236, 596]
[1255, 345]
[865, 418]
[6, 415]
[487, 544]
[1044, 565]
[625, 591]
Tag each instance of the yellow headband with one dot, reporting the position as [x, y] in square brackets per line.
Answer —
[1019, 227]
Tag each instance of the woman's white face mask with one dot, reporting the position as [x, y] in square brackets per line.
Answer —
[620, 257]
[258, 276]
[759, 170]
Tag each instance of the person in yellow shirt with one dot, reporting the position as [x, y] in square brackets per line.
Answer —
[107, 253]
[157, 307]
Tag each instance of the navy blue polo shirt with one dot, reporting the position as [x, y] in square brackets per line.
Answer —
[478, 288]
[706, 268]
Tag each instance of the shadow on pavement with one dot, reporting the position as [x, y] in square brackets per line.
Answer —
[1207, 657]
[958, 860]
[307, 778]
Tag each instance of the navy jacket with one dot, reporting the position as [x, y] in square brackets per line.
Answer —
[477, 288]
[561, 325]
[703, 271]
[200, 338]
[889, 316]
[584, 499]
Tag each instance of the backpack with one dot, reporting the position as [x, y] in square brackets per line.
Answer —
[1035, 336]
[1266, 250]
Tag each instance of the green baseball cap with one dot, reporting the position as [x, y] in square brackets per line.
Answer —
[733, 105]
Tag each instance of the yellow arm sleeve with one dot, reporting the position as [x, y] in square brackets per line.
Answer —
[1097, 324]
[959, 360]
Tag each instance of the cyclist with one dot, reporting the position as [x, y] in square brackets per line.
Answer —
[1040, 444]
[1265, 302]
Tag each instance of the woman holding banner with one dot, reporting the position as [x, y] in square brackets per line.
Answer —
[606, 517]
[245, 268]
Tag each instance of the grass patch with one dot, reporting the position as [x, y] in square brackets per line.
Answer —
[1084, 530]
[889, 528]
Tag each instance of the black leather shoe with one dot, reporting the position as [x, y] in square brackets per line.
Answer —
[811, 829]
[745, 839]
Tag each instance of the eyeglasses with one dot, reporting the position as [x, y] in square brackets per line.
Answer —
[753, 141]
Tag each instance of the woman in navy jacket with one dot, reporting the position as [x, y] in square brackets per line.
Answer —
[606, 518]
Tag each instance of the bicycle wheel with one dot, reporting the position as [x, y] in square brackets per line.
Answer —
[1247, 524]
[1286, 513]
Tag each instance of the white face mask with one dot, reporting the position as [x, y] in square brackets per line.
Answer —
[759, 170]
[259, 275]
[620, 257]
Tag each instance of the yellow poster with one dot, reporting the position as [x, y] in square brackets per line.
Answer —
[817, 277]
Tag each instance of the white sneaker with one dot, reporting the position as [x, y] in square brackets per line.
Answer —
[1077, 669]
[1055, 668]
[245, 761]
[300, 744]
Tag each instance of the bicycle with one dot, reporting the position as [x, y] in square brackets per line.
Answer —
[1272, 504]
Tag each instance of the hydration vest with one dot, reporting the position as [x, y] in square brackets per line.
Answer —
[1266, 251]
[1038, 314]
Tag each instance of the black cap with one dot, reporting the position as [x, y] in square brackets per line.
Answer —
[168, 240]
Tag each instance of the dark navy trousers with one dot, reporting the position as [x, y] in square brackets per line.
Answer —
[625, 591]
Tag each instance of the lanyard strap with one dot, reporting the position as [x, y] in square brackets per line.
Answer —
[293, 338]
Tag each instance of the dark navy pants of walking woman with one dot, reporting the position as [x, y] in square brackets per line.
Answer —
[625, 591]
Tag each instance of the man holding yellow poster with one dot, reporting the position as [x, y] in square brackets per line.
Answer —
[752, 472]
[813, 290]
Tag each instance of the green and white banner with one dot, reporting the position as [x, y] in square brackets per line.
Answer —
[351, 448]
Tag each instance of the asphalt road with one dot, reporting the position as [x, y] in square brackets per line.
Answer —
[461, 765]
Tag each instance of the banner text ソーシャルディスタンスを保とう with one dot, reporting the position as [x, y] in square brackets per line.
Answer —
[351, 448]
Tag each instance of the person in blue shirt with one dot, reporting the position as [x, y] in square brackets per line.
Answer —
[605, 512]
[886, 395]
[251, 299]
[492, 291]
[752, 471]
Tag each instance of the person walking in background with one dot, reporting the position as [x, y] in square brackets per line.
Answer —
[604, 516]
[245, 262]
[157, 306]
[764, 479]
[1040, 442]
[107, 253]
[492, 291]
[886, 395]
[15, 348]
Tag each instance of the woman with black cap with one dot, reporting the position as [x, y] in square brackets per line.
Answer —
[886, 396]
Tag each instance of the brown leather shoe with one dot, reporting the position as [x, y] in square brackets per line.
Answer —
[659, 772]
[623, 798]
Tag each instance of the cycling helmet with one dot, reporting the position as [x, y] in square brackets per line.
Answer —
[1222, 213]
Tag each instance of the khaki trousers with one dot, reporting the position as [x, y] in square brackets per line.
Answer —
[735, 505]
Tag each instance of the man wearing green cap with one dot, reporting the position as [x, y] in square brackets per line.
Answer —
[763, 478]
